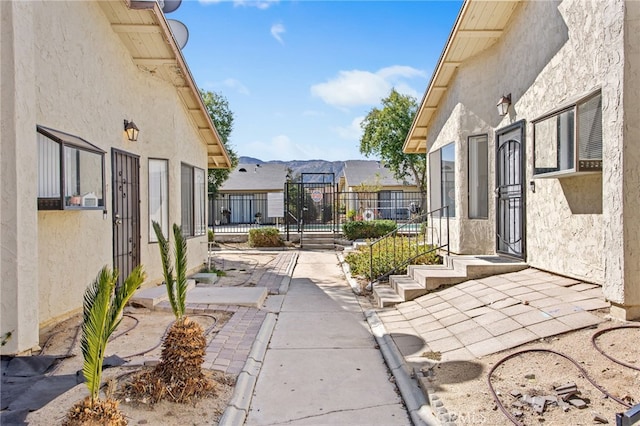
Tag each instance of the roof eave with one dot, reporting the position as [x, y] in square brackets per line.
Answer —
[181, 78]
[481, 29]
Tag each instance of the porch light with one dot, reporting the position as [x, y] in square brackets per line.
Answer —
[503, 105]
[132, 130]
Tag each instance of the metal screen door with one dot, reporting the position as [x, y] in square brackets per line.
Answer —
[509, 191]
[126, 212]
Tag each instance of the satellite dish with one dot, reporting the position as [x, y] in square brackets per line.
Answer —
[180, 32]
[170, 5]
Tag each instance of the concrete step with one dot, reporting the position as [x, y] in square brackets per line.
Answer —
[324, 241]
[421, 279]
[314, 246]
[149, 297]
[384, 296]
[432, 278]
[483, 266]
[406, 287]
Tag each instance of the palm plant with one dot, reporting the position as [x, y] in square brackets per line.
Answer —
[183, 348]
[102, 313]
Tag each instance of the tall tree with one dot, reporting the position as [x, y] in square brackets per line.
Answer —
[385, 130]
[218, 109]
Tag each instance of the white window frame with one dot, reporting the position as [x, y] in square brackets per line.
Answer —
[193, 185]
[478, 178]
[568, 140]
[442, 180]
[158, 196]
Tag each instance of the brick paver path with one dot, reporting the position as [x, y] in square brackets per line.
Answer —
[229, 349]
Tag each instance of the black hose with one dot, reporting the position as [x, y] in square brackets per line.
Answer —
[166, 331]
[601, 332]
[567, 357]
[128, 329]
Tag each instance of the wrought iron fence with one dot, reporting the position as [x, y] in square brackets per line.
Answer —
[311, 208]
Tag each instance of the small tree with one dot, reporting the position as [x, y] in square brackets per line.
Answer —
[384, 132]
[102, 313]
[218, 109]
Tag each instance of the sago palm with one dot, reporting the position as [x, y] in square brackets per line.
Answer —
[183, 348]
[102, 312]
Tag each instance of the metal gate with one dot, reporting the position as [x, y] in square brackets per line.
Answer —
[311, 204]
[126, 212]
[510, 235]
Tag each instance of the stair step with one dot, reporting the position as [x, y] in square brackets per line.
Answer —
[421, 279]
[384, 296]
[406, 287]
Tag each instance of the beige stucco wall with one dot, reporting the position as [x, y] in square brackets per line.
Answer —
[550, 53]
[18, 229]
[622, 262]
[83, 82]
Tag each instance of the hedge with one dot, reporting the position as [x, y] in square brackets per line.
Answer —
[363, 229]
[265, 237]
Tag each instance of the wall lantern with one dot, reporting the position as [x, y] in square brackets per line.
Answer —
[132, 130]
[503, 105]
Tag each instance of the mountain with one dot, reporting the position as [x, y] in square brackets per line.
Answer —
[304, 166]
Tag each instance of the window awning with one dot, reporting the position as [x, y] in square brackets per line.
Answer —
[66, 138]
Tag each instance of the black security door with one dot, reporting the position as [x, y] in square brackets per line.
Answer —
[126, 212]
[510, 235]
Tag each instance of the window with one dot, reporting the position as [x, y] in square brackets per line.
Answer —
[569, 140]
[70, 172]
[193, 185]
[442, 179]
[478, 177]
[158, 197]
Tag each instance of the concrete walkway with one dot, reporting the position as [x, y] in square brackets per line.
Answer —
[322, 365]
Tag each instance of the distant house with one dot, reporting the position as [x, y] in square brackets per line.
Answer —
[371, 191]
[244, 198]
[551, 179]
[79, 193]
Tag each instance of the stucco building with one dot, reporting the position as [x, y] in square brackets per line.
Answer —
[244, 197]
[372, 191]
[77, 193]
[554, 181]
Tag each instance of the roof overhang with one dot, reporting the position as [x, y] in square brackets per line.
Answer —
[479, 25]
[147, 36]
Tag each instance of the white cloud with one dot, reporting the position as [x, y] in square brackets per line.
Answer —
[236, 85]
[356, 87]
[352, 132]
[276, 31]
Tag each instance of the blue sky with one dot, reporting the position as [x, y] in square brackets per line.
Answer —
[301, 75]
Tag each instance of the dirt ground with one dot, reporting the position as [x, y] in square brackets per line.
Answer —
[462, 386]
[137, 340]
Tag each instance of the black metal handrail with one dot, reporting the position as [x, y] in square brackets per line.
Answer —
[427, 239]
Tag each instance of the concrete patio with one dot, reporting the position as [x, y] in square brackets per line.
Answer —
[488, 315]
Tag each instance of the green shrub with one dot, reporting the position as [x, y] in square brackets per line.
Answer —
[351, 214]
[387, 255]
[362, 229]
[265, 237]
[211, 235]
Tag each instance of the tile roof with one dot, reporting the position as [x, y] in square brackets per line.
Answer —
[367, 172]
